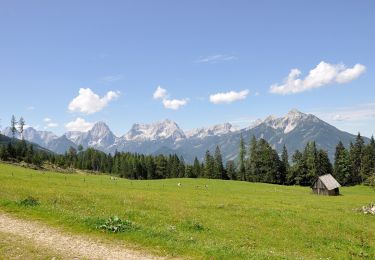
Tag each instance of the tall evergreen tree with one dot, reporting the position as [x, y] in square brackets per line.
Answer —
[356, 153]
[310, 155]
[197, 168]
[242, 155]
[368, 160]
[219, 168]
[285, 166]
[298, 170]
[231, 170]
[341, 168]
[324, 166]
[209, 166]
[252, 167]
[13, 126]
[21, 125]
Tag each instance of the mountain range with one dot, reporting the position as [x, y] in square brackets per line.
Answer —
[293, 130]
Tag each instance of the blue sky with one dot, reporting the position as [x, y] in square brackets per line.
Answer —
[119, 52]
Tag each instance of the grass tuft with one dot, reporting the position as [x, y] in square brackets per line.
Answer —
[29, 202]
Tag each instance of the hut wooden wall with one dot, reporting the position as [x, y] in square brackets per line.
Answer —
[320, 188]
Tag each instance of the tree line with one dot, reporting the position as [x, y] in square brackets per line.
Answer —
[257, 162]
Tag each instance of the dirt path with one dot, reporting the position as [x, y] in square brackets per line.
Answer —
[70, 246]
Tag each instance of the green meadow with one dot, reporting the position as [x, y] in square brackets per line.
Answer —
[201, 218]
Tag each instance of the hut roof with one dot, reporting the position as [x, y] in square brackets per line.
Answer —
[329, 181]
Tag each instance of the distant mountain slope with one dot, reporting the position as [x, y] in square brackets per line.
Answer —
[5, 140]
[293, 130]
[44, 139]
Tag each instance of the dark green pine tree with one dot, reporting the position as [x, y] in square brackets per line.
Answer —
[219, 168]
[231, 170]
[241, 163]
[324, 166]
[209, 166]
[161, 167]
[285, 166]
[356, 153]
[13, 126]
[252, 168]
[310, 155]
[298, 170]
[181, 167]
[368, 160]
[341, 167]
[21, 127]
[197, 168]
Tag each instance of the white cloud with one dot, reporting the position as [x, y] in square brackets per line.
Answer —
[88, 102]
[323, 74]
[49, 123]
[217, 58]
[228, 97]
[355, 113]
[175, 104]
[160, 93]
[360, 117]
[79, 124]
[52, 125]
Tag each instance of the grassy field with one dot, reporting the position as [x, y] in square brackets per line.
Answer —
[226, 219]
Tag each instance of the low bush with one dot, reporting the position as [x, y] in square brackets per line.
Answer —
[29, 201]
[115, 224]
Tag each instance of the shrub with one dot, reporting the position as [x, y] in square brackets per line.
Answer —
[115, 224]
[195, 225]
[29, 201]
[371, 181]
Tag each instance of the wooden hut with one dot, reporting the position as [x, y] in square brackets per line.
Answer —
[326, 185]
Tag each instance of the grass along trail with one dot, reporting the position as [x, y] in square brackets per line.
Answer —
[66, 245]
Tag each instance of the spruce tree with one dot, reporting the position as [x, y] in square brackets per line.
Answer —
[252, 168]
[242, 155]
[285, 166]
[209, 166]
[13, 126]
[21, 125]
[356, 153]
[368, 160]
[341, 167]
[197, 168]
[231, 170]
[324, 166]
[219, 168]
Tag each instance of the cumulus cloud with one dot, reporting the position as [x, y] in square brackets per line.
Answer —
[228, 97]
[52, 125]
[79, 124]
[162, 94]
[323, 74]
[217, 58]
[88, 102]
[174, 104]
[49, 123]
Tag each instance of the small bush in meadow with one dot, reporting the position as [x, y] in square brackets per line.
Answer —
[195, 225]
[115, 224]
[29, 201]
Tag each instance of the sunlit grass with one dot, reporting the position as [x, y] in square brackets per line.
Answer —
[202, 218]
